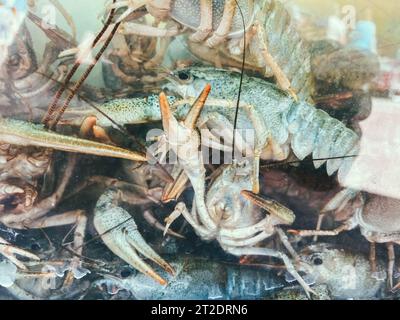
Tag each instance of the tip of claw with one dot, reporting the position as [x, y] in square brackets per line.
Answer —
[247, 194]
[166, 199]
[195, 110]
[284, 214]
[165, 111]
[167, 196]
[136, 156]
[252, 196]
[170, 270]
[256, 188]
[293, 94]
[163, 100]
[157, 278]
[204, 94]
[167, 267]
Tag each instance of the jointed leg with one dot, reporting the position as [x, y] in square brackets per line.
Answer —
[310, 233]
[256, 173]
[273, 253]
[222, 127]
[157, 59]
[68, 18]
[372, 257]
[173, 190]
[21, 220]
[147, 31]
[125, 78]
[131, 193]
[225, 26]
[284, 239]
[9, 251]
[340, 200]
[391, 259]
[206, 18]
[180, 209]
[259, 140]
[211, 140]
[240, 233]
[247, 242]
[321, 217]
[131, 4]
[77, 217]
[151, 220]
[280, 76]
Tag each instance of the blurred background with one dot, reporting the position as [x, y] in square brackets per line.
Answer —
[334, 19]
[385, 14]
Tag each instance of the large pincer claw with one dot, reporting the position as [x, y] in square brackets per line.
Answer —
[119, 232]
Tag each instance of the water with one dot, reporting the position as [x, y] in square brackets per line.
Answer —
[48, 199]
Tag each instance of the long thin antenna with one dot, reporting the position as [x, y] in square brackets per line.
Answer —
[52, 108]
[284, 163]
[241, 80]
[117, 126]
[76, 87]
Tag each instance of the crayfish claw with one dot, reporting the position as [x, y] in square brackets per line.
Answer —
[119, 232]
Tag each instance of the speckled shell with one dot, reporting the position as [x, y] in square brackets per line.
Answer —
[382, 214]
[187, 12]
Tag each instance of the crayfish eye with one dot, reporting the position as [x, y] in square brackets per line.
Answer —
[125, 273]
[183, 76]
[317, 261]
